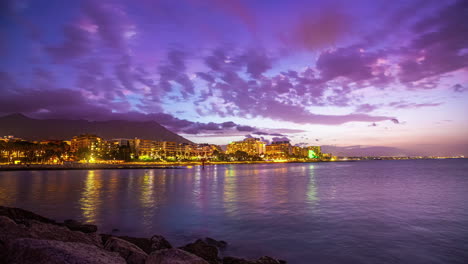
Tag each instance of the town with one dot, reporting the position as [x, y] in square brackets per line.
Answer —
[89, 148]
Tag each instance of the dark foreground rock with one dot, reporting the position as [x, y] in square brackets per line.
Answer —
[203, 250]
[36, 251]
[76, 226]
[159, 242]
[174, 256]
[220, 244]
[130, 252]
[262, 260]
[9, 230]
[26, 237]
[21, 216]
[148, 245]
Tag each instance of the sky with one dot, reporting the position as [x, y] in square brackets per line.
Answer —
[348, 74]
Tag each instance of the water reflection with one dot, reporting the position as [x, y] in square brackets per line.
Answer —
[312, 188]
[90, 198]
[147, 201]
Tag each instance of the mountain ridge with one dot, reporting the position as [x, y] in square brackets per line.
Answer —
[22, 126]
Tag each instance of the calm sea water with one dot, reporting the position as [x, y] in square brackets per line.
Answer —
[413, 211]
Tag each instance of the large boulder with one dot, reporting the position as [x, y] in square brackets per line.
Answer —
[130, 252]
[173, 256]
[77, 226]
[21, 216]
[159, 242]
[269, 260]
[9, 231]
[61, 233]
[220, 244]
[148, 245]
[203, 250]
[36, 251]
[234, 260]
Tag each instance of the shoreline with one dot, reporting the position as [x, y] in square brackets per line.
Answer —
[29, 238]
[129, 166]
[161, 165]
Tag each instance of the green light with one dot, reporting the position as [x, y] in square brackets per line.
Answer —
[312, 154]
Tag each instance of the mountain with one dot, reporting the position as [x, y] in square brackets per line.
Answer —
[24, 127]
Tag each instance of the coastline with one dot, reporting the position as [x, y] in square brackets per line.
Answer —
[26, 237]
[128, 166]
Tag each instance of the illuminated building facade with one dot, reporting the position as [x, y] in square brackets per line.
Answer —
[279, 149]
[252, 146]
[89, 142]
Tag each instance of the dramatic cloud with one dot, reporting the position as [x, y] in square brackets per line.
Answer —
[179, 62]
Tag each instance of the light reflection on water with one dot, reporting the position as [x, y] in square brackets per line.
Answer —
[90, 200]
[361, 212]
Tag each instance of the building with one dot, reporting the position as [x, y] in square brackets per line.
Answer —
[313, 152]
[252, 146]
[87, 142]
[279, 149]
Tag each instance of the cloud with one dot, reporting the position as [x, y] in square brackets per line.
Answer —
[276, 139]
[111, 22]
[285, 96]
[459, 88]
[349, 62]
[245, 128]
[77, 43]
[438, 47]
[365, 108]
[395, 121]
[316, 31]
[408, 105]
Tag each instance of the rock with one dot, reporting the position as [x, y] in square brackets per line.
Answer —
[36, 251]
[203, 250]
[9, 231]
[173, 256]
[217, 243]
[147, 245]
[269, 260]
[130, 252]
[76, 226]
[21, 216]
[233, 260]
[159, 242]
[262, 260]
[61, 233]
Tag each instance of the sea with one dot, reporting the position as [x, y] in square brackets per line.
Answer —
[384, 211]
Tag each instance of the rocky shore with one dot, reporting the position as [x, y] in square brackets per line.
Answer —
[28, 238]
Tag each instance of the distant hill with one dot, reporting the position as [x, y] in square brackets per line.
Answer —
[24, 127]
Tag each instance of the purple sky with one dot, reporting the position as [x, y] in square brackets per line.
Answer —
[342, 73]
